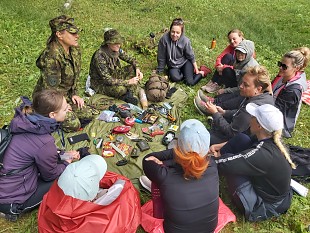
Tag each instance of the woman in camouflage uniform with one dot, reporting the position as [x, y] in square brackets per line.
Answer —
[60, 65]
[107, 76]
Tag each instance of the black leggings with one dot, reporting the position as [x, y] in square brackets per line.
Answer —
[228, 77]
[186, 73]
[229, 101]
[33, 201]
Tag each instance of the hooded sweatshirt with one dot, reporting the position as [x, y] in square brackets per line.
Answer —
[238, 120]
[32, 144]
[174, 54]
[288, 99]
[245, 46]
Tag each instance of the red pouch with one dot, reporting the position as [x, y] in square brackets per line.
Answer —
[121, 129]
[129, 121]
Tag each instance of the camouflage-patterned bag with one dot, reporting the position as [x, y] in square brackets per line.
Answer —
[100, 102]
[156, 88]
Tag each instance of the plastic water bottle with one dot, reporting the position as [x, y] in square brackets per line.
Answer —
[135, 108]
[213, 43]
[68, 4]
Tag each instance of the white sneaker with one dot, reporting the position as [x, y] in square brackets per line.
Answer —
[146, 183]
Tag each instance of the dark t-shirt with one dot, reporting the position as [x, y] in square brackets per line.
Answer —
[189, 205]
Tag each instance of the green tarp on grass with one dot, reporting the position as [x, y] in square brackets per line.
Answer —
[133, 170]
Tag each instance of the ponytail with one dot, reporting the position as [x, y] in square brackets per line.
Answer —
[192, 163]
[277, 140]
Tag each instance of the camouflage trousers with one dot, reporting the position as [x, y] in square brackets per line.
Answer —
[117, 91]
[75, 118]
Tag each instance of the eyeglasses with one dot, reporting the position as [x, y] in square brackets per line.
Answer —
[283, 66]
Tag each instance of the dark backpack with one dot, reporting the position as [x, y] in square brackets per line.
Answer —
[5, 139]
[156, 88]
[301, 157]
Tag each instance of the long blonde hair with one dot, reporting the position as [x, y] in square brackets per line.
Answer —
[277, 140]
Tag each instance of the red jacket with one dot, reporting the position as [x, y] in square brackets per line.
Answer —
[228, 49]
[61, 213]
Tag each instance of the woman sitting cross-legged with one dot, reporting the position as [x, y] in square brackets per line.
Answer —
[187, 180]
[258, 174]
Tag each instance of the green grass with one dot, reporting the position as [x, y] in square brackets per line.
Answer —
[275, 26]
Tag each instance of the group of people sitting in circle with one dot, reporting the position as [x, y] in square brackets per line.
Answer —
[250, 114]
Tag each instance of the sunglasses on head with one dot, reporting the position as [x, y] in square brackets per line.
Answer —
[178, 21]
[283, 66]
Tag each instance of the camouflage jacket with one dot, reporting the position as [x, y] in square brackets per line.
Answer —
[103, 67]
[59, 70]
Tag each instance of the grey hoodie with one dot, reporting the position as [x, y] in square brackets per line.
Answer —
[174, 54]
[245, 46]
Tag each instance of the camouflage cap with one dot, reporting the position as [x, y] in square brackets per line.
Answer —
[113, 37]
[63, 22]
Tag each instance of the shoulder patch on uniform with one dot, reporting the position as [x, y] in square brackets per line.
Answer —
[52, 81]
[121, 51]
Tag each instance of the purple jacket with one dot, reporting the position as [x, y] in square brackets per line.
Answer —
[32, 143]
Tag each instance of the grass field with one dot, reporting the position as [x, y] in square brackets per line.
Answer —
[275, 26]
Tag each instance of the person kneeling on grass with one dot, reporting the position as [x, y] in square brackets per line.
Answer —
[258, 174]
[32, 161]
[188, 181]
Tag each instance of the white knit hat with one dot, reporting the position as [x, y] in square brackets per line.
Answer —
[268, 116]
[81, 179]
